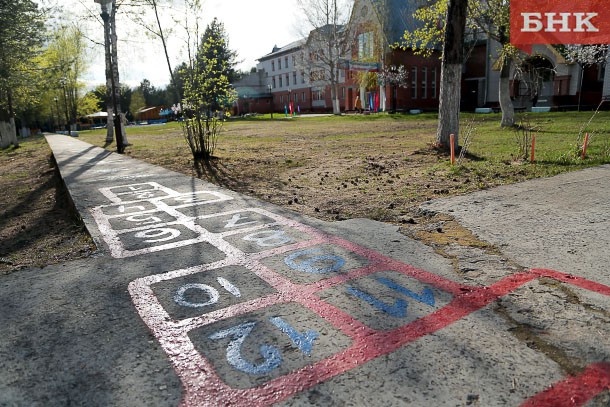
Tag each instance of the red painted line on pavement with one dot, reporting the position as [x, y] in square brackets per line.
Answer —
[574, 280]
[204, 386]
[574, 391]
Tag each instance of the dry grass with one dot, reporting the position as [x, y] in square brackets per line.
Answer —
[378, 167]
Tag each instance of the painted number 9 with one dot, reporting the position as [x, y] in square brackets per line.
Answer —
[314, 263]
[158, 235]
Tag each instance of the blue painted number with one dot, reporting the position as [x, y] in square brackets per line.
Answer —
[237, 334]
[309, 265]
[426, 296]
[272, 357]
[398, 310]
[302, 341]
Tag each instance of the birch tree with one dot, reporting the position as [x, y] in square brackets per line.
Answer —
[491, 17]
[451, 74]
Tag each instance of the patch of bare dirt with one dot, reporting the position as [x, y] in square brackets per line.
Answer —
[37, 224]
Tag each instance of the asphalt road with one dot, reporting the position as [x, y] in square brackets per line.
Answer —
[199, 296]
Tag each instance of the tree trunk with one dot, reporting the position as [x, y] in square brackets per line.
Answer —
[8, 133]
[451, 74]
[115, 71]
[334, 96]
[109, 109]
[449, 105]
[8, 130]
[506, 104]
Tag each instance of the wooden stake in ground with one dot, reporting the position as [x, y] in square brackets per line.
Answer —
[584, 146]
[533, 147]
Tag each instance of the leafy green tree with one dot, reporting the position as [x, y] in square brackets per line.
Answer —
[489, 17]
[137, 101]
[208, 91]
[214, 50]
[88, 104]
[176, 86]
[22, 33]
[65, 61]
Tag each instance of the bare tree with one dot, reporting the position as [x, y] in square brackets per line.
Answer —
[327, 43]
[154, 29]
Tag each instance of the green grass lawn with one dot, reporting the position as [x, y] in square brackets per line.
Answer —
[557, 136]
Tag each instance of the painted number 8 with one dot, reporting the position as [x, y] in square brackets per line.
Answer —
[314, 263]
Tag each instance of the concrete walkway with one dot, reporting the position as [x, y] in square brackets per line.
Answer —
[203, 297]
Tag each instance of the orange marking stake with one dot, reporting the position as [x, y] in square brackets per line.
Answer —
[584, 146]
[533, 147]
[452, 147]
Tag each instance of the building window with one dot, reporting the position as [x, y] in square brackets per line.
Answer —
[287, 79]
[272, 66]
[365, 46]
[413, 82]
[281, 81]
[294, 60]
[424, 82]
[279, 64]
[433, 83]
[342, 93]
[318, 95]
[294, 78]
[303, 97]
[274, 83]
[601, 72]
[286, 62]
[302, 77]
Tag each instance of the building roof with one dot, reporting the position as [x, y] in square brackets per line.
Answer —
[398, 15]
[97, 115]
[293, 46]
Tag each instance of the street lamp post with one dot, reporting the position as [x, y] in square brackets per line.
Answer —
[57, 109]
[106, 6]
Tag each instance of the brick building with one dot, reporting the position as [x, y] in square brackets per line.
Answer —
[286, 79]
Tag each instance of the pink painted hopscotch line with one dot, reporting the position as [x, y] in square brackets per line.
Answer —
[203, 386]
[574, 280]
[574, 391]
[368, 344]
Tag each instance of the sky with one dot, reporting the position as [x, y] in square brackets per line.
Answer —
[253, 28]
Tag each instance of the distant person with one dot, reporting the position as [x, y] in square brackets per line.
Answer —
[358, 105]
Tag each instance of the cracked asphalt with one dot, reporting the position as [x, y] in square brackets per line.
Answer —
[201, 297]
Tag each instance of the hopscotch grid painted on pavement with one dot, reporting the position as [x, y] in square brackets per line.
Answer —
[261, 235]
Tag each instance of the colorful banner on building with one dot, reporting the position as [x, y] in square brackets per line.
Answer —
[559, 22]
